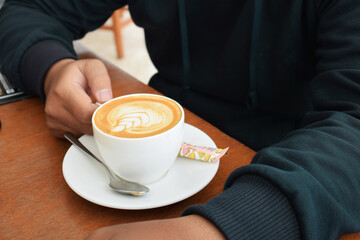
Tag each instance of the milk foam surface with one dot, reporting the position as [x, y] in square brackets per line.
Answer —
[138, 116]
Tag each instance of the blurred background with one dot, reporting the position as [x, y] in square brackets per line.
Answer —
[135, 59]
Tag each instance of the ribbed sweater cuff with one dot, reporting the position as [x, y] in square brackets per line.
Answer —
[36, 62]
[251, 208]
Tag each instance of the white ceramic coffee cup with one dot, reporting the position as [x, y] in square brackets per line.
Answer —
[144, 160]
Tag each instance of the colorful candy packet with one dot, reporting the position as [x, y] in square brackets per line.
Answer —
[206, 154]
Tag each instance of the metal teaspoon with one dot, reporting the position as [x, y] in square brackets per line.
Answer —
[116, 183]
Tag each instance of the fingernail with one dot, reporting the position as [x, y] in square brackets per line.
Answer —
[104, 95]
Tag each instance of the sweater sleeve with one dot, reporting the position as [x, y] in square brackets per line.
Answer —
[316, 167]
[26, 23]
[251, 208]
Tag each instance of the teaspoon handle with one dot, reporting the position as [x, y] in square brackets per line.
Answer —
[77, 143]
[117, 183]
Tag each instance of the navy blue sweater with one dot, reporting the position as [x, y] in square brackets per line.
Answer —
[281, 76]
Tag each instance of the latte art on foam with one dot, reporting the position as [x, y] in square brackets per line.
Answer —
[138, 116]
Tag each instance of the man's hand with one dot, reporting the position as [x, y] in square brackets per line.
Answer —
[190, 227]
[69, 85]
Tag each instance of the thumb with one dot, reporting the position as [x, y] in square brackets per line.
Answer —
[98, 80]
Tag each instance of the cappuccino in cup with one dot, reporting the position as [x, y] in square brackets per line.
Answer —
[138, 116]
[139, 135]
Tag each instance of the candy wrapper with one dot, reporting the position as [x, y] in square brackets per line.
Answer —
[206, 154]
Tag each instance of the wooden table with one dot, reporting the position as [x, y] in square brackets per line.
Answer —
[36, 202]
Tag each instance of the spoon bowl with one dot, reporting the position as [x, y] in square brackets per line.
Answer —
[117, 183]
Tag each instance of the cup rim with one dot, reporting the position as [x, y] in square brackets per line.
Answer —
[181, 120]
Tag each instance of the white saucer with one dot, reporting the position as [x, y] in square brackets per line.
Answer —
[186, 177]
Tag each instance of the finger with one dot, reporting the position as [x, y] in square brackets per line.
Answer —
[62, 113]
[98, 80]
[60, 133]
[66, 125]
[79, 106]
[68, 104]
[57, 129]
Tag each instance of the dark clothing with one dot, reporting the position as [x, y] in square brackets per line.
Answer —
[280, 76]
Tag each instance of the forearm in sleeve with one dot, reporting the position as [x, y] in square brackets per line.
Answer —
[24, 24]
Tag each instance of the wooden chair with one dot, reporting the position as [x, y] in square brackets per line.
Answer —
[118, 23]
